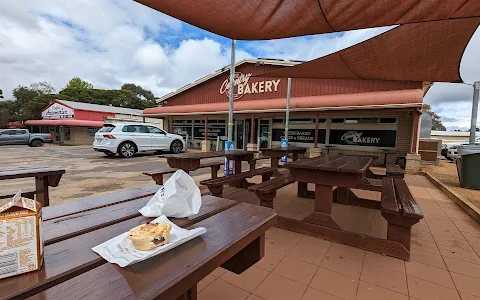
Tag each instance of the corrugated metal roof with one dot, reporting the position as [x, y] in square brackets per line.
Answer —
[102, 108]
[263, 61]
[401, 98]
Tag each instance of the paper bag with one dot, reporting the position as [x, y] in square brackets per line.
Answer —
[179, 197]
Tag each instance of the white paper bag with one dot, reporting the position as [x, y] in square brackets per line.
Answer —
[120, 250]
[179, 197]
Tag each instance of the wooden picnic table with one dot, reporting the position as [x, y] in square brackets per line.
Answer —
[343, 172]
[276, 153]
[71, 270]
[190, 161]
[44, 177]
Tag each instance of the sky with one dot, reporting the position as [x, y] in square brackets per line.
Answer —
[111, 42]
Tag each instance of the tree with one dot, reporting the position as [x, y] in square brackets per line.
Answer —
[143, 94]
[7, 113]
[436, 119]
[77, 83]
[120, 98]
[1, 94]
[42, 87]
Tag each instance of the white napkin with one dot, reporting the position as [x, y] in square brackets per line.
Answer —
[120, 250]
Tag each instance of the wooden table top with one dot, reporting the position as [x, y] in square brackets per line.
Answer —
[289, 148]
[333, 163]
[72, 270]
[28, 171]
[202, 155]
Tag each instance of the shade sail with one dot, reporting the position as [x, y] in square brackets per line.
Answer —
[398, 98]
[429, 51]
[272, 19]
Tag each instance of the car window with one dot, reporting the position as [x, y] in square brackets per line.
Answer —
[155, 130]
[135, 128]
[22, 132]
[9, 132]
[107, 128]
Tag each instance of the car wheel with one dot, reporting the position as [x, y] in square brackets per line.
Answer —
[127, 149]
[176, 146]
[37, 143]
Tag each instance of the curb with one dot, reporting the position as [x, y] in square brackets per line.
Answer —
[464, 204]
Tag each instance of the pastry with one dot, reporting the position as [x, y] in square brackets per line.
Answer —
[150, 236]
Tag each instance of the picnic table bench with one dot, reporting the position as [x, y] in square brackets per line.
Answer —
[267, 190]
[44, 178]
[392, 170]
[27, 193]
[157, 174]
[400, 210]
[72, 270]
[216, 185]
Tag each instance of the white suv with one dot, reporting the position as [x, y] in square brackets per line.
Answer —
[128, 138]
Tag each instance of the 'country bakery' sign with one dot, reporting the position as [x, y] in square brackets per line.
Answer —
[58, 111]
[243, 85]
[373, 138]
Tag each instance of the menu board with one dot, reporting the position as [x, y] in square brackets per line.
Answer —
[299, 135]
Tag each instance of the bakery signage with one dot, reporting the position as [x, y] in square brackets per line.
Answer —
[375, 138]
[57, 111]
[243, 85]
[299, 135]
[212, 133]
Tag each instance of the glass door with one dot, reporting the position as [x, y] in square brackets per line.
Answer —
[238, 134]
[264, 133]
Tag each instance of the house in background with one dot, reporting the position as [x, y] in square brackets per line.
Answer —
[75, 123]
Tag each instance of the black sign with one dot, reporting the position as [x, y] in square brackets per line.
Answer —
[183, 130]
[375, 138]
[299, 135]
[199, 132]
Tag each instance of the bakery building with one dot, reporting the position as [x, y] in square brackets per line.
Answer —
[327, 115]
[75, 123]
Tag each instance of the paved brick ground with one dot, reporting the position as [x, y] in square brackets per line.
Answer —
[445, 262]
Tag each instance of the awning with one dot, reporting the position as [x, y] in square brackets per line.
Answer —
[66, 122]
[273, 19]
[429, 51]
[384, 99]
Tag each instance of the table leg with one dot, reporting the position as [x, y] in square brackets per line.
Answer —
[385, 160]
[238, 170]
[190, 294]
[343, 196]
[322, 214]
[41, 187]
[274, 162]
[302, 190]
[295, 156]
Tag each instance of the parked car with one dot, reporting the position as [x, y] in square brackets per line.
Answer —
[449, 150]
[24, 137]
[126, 139]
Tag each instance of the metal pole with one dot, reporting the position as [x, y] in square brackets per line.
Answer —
[287, 110]
[218, 143]
[473, 125]
[232, 86]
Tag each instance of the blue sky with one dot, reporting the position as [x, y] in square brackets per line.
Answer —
[110, 42]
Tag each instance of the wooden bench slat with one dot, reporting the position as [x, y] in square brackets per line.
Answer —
[389, 198]
[180, 267]
[28, 193]
[234, 177]
[410, 207]
[272, 185]
[85, 204]
[65, 259]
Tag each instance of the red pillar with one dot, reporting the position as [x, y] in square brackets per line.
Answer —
[206, 128]
[316, 132]
[416, 124]
[252, 131]
[171, 124]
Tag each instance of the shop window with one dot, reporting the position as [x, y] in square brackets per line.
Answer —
[302, 121]
[68, 135]
[369, 120]
[353, 120]
[322, 120]
[277, 121]
[388, 120]
[182, 121]
[199, 121]
[338, 121]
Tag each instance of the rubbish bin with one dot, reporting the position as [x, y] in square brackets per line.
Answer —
[468, 166]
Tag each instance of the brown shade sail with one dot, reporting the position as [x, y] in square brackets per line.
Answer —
[429, 51]
[272, 19]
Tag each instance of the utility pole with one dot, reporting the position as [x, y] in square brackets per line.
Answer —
[232, 86]
[473, 125]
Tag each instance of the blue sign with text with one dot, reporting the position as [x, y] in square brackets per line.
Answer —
[284, 144]
[229, 164]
